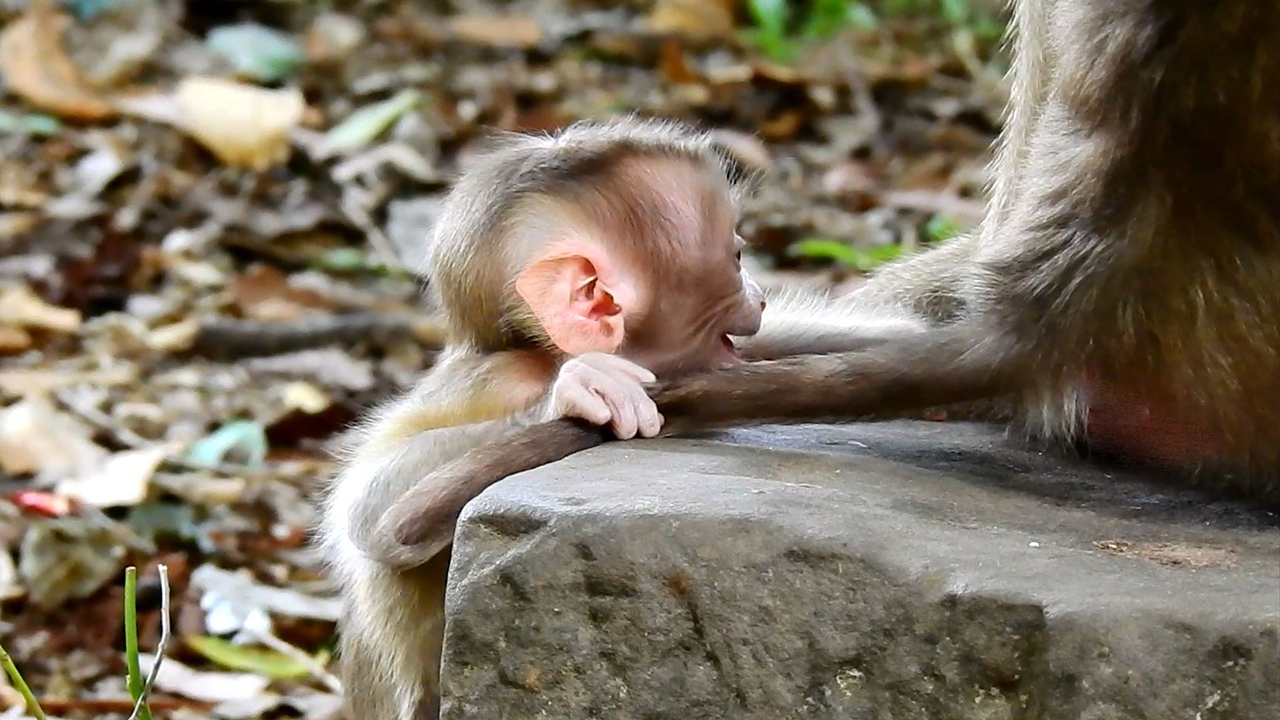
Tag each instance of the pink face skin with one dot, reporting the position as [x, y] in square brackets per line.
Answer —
[658, 279]
[693, 330]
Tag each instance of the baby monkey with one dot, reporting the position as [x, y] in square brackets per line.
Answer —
[570, 269]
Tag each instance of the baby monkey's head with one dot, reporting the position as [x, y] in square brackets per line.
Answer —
[613, 237]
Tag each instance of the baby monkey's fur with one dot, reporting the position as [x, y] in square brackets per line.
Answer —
[660, 197]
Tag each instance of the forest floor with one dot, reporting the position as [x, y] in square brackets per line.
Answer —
[201, 283]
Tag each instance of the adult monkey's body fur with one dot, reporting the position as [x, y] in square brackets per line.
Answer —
[1124, 286]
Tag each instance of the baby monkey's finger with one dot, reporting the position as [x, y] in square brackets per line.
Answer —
[580, 401]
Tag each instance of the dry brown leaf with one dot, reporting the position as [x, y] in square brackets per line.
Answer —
[673, 66]
[17, 224]
[304, 396]
[243, 125]
[23, 308]
[849, 178]
[35, 66]
[36, 438]
[174, 337]
[121, 481]
[784, 126]
[30, 381]
[699, 19]
[511, 31]
[264, 293]
[13, 340]
[776, 72]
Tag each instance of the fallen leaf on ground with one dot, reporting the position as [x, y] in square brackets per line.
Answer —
[17, 224]
[174, 337]
[68, 558]
[35, 66]
[243, 125]
[304, 396]
[37, 124]
[317, 706]
[245, 437]
[263, 293]
[34, 381]
[13, 340]
[36, 438]
[258, 52]
[239, 592]
[123, 480]
[365, 124]
[333, 36]
[510, 31]
[673, 66]
[10, 588]
[21, 307]
[330, 367]
[262, 661]
[182, 680]
[700, 19]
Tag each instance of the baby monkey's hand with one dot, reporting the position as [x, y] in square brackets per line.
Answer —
[606, 389]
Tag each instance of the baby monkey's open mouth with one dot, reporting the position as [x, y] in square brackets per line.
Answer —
[729, 353]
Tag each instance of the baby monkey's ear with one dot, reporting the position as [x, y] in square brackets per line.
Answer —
[578, 297]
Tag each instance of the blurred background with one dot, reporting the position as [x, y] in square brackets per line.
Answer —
[211, 213]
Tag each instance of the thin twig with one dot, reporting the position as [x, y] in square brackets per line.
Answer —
[284, 648]
[140, 704]
[227, 339]
[33, 706]
[100, 420]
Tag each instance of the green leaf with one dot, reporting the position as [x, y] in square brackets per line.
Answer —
[940, 228]
[770, 32]
[257, 51]
[875, 257]
[955, 11]
[839, 252]
[828, 17]
[823, 249]
[36, 124]
[261, 661]
[343, 260]
[249, 437]
[861, 16]
[769, 15]
[370, 121]
[89, 9]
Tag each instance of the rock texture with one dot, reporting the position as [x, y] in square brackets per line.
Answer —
[891, 571]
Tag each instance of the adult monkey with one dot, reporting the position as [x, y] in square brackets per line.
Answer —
[1124, 286]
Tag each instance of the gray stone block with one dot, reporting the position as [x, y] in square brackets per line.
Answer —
[891, 571]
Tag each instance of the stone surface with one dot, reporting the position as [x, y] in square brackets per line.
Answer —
[895, 571]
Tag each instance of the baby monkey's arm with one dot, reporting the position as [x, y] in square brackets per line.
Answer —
[465, 402]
